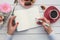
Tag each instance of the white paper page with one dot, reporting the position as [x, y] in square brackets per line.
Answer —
[27, 18]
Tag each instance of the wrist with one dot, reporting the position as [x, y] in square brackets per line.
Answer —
[9, 33]
[50, 31]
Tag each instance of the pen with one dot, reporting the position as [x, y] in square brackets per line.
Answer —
[15, 4]
[46, 24]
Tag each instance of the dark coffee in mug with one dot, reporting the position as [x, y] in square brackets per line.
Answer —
[54, 14]
[27, 3]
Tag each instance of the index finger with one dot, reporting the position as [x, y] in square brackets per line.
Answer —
[11, 19]
[46, 20]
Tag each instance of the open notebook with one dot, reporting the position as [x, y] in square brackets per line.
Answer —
[27, 18]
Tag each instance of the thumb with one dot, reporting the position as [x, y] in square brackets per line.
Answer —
[44, 25]
[16, 25]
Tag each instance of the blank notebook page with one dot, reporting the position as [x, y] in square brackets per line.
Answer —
[27, 18]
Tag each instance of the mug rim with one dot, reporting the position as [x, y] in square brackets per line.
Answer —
[22, 4]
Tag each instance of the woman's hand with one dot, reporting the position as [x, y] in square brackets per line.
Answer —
[11, 27]
[48, 29]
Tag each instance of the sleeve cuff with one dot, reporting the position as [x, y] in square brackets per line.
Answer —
[52, 36]
[8, 37]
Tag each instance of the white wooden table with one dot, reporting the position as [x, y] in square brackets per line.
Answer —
[35, 33]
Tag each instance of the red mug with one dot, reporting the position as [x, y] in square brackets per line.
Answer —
[52, 14]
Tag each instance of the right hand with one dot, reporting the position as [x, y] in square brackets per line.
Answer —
[48, 29]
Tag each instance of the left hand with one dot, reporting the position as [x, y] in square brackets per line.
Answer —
[11, 27]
